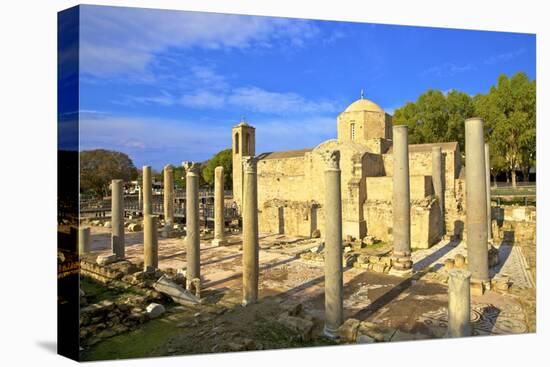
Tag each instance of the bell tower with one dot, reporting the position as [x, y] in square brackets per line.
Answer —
[243, 144]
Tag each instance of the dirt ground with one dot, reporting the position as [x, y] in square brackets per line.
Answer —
[415, 306]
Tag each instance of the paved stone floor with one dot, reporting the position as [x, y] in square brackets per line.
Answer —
[416, 305]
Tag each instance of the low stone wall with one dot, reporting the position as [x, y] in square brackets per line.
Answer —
[514, 223]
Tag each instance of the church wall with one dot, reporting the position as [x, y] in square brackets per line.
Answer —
[381, 188]
[282, 179]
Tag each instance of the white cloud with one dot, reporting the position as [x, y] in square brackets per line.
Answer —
[261, 100]
[116, 40]
[447, 69]
[203, 99]
[507, 56]
[157, 141]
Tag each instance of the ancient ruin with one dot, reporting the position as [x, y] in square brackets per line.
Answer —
[359, 240]
[290, 188]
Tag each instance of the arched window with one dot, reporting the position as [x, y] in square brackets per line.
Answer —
[246, 145]
[237, 143]
[352, 131]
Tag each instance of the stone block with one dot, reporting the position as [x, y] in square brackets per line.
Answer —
[106, 259]
[135, 227]
[155, 310]
[178, 294]
[298, 325]
[347, 332]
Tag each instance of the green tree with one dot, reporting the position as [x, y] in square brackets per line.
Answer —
[509, 111]
[223, 158]
[436, 117]
[98, 167]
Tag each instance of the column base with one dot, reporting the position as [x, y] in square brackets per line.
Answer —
[479, 287]
[245, 302]
[107, 259]
[331, 333]
[401, 272]
[219, 242]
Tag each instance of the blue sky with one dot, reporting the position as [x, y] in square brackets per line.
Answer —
[167, 86]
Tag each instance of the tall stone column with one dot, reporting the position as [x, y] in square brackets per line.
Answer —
[150, 243]
[437, 180]
[169, 196]
[476, 201]
[219, 220]
[117, 218]
[459, 304]
[488, 189]
[334, 306]
[402, 263]
[147, 188]
[250, 232]
[192, 238]
[140, 198]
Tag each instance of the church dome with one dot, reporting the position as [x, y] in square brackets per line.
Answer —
[364, 105]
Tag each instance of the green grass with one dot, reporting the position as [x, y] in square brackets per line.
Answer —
[147, 341]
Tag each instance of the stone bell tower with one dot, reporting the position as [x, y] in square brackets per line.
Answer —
[244, 144]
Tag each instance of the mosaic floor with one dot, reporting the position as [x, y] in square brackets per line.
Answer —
[512, 262]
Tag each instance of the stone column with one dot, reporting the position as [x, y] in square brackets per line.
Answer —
[476, 201]
[437, 180]
[147, 189]
[250, 232]
[168, 197]
[83, 240]
[488, 189]
[192, 238]
[459, 304]
[140, 198]
[150, 243]
[117, 218]
[402, 263]
[334, 306]
[219, 220]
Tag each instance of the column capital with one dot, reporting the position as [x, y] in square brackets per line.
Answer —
[331, 159]
[249, 164]
[191, 168]
[218, 169]
[168, 167]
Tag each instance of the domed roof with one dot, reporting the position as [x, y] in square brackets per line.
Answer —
[364, 105]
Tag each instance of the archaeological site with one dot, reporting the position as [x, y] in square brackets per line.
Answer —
[383, 232]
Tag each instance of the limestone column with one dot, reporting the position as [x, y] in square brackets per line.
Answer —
[150, 243]
[83, 240]
[476, 201]
[250, 232]
[488, 189]
[219, 220]
[334, 307]
[459, 303]
[437, 180]
[140, 198]
[192, 238]
[401, 202]
[147, 188]
[117, 218]
[169, 196]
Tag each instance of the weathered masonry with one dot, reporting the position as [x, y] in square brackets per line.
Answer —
[291, 183]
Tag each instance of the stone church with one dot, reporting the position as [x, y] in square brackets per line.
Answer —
[291, 183]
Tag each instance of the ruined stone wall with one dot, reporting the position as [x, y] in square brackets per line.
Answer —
[381, 188]
[289, 217]
[514, 223]
[420, 163]
[424, 221]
